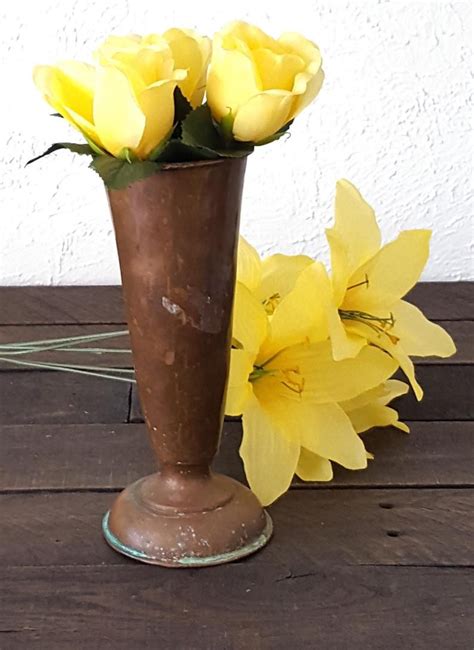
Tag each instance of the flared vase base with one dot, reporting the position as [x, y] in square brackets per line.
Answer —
[195, 522]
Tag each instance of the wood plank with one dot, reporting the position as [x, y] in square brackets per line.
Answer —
[444, 300]
[40, 305]
[58, 397]
[47, 396]
[421, 526]
[236, 607]
[461, 331]
[108, 457]
[61, 305]
[448, 394]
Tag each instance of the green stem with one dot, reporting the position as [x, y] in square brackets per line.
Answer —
[66, 342]
[80, 370]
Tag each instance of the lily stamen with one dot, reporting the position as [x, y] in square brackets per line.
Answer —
[379, 324]
[271, 303]
[360, 284]
[293, 381]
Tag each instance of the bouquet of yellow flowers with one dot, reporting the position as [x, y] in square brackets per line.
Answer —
[140, 105]
[313, 353]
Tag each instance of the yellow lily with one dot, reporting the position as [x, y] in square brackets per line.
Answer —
[289, 399]
[363, 300]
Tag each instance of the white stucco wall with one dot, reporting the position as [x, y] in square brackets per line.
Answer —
[394, 117]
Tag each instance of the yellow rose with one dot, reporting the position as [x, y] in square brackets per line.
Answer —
[263, 82]
[129, 105]
[192, 53]
[182, 49]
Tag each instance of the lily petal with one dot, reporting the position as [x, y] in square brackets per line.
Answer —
[375, 415]
[382, 394]
[355, 224]
[418, 335]
[279, 274]
[340, 266]
[270, 458]
[249, 265]
[334, 437]
[250, 322]
[239, 390]
[326, 380]
[390, 274]
[301, 314]
[345, 344]
[395, 350]
[312, 467]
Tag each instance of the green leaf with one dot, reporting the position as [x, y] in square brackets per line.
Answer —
[275, 136]
[176, 151]
[182, 106]
[118, 174]
[82, 149]
[199, 133]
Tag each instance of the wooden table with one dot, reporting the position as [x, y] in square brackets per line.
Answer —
[377, 559]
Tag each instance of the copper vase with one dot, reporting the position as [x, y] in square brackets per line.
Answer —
[177, 235]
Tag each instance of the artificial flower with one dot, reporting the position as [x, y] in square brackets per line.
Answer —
[270, 279]
[295, 315]
[368, 282]
[289, 401]
[370, 409]
[259, 84]
[180, 49]
[124, 107]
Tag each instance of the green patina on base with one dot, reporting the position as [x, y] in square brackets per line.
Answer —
[190, 561]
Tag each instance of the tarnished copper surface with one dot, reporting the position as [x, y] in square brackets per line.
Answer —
[177, 235]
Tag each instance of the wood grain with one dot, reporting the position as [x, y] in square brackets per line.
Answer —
[236, 607]
[55, 397]
[100, 304]
[108, 457]
[444, 300]
[448, 394]
[387, 527]
[61, 305]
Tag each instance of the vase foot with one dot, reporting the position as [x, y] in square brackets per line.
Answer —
[198, 522]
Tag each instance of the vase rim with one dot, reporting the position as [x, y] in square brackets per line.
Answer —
[194, 163]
